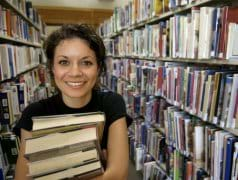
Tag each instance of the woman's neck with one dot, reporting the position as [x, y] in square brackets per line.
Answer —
[74, 102]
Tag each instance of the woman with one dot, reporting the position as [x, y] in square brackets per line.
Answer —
[76, 56]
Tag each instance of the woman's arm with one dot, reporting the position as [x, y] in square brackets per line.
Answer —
[21, 166]
[117, 152]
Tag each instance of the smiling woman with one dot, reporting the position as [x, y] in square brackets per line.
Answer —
[76, 56]
[75, 71]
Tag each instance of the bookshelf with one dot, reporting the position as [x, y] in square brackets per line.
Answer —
[190, 61]
[157, 60]
[20, 10]
[23, 78]
[20, 42]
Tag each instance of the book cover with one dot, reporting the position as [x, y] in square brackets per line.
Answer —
[228, 157]
[74, 171]
[228, 15]
[41, 123]
[10, 147]
[61, 162]
[58, 139]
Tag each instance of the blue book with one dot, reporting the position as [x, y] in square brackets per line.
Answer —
[188, 88]
[1, 174]
[4, 109]
[229, 156]
[216, 15]
[144, 128]
[21, 96]
[10, 61]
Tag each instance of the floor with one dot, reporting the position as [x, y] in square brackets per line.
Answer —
[133, 174]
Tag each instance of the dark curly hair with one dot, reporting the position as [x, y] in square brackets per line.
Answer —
[82, 31]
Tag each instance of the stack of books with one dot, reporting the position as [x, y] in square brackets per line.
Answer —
[65, 146]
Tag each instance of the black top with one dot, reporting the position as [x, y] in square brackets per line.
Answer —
[110, 103]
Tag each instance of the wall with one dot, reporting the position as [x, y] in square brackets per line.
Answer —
[93, 12]
[97, 4]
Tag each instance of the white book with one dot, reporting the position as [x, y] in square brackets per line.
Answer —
[68, 173]
[62, 162]
[59, 140]
[198, 143]
[218, 155]
[205, 32]
[5, 62]
[15, 101]
[232, 44]
[147, 169]
[193, 43]
[139, 158]
[44, 122]
[230, 121]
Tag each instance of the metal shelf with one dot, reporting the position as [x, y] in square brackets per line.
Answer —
[218, 62]
[17, 41]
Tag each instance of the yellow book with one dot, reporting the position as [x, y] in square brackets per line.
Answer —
[157, 7]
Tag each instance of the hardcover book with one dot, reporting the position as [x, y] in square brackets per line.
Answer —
[64, 146]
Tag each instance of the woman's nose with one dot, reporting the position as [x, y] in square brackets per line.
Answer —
[75, 70]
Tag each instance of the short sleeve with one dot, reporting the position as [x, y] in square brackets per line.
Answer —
[25, 122]
[114, 107]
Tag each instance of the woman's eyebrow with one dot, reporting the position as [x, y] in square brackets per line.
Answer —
[61, 56]
[86, 57]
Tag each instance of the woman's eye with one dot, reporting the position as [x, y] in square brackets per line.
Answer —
[86, 63]
[63, 62]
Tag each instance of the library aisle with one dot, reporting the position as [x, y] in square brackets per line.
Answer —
[133, 174]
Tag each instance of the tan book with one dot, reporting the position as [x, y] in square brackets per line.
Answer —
[58, 123]
[157, 7]
[76, 171]
[214, 96]
[42, 155]
[57, 163]
[65, 146]
[207, 97]
[55, 141]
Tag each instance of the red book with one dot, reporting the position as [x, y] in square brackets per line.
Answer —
[228, 15]
[160, 79]
[189, 170]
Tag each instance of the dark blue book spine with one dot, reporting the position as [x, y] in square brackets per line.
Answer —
[229, 155]
[4, 108]
[188, 89]
[10, 60]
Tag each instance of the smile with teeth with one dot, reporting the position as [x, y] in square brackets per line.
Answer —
[75, 84]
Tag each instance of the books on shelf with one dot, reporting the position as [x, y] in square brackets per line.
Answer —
[198, 91]
[228, 15]
[20, 54]
[201, 113]
[65, 146]
[10, 147]
[17, 59]
[206, 32]
[201, 91]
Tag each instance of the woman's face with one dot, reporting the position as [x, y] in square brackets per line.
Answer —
[75, 69]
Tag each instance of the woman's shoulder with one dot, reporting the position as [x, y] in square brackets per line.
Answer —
[42, 105]
[108, 96]
[112, 104]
